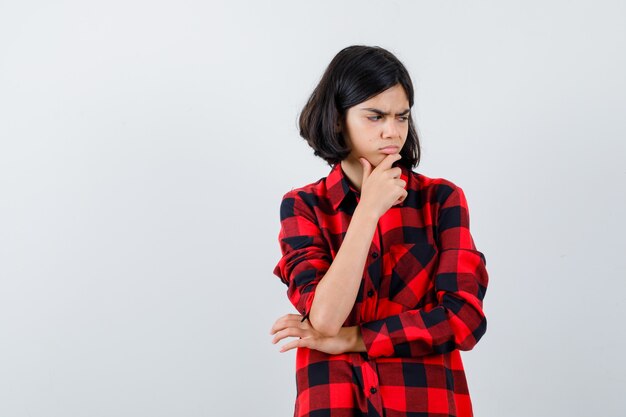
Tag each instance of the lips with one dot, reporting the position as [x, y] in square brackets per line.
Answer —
[390, 149]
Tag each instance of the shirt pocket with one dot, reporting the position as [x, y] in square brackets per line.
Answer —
[411, 273]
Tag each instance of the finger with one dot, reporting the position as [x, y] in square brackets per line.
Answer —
[278, 324]
[289, 332]
[291, 345]
[401, 198]
[306, 342]
[284, 321]
[293, 320]
[386, 163]
[367, 168]
[395, 172]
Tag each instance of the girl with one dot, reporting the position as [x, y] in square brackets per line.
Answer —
[378, 259]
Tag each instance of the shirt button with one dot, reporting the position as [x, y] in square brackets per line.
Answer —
[370, 293]
[373, 390]
[375, 255]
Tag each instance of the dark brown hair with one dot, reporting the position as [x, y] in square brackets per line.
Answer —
[356, 74]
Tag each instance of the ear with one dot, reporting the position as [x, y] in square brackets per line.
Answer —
[339, 125]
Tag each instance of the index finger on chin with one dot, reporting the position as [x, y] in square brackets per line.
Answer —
[388, 161]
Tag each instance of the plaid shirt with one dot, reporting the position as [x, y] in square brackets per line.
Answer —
[419, 304]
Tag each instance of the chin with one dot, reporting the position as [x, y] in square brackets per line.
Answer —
[372, 160]
[379, 158]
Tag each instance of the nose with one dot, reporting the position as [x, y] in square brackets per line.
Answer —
[391, 129]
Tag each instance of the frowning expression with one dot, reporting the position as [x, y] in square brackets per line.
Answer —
[378, 126]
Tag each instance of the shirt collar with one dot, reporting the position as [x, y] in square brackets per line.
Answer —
[338, 186]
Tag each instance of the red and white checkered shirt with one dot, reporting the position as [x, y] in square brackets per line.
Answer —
[419, 304]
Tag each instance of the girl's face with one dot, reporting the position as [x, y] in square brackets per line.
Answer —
[378, 126]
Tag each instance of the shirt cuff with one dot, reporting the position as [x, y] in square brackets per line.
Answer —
[376, 338]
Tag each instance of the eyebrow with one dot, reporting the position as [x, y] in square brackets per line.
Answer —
[382, 113]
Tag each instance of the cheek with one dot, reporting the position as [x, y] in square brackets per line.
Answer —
[369, 132]
[360, 134]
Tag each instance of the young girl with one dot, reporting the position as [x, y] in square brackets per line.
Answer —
[378, 259]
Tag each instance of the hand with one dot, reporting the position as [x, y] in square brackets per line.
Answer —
[291, 325]
[382, 187]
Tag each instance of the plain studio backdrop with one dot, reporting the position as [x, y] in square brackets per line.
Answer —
[145, 148]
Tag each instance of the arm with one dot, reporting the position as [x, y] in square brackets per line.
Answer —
[457, 321]
[322, 289]
[348, 339]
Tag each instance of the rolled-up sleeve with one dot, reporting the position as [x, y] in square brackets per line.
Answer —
[457, 321]
[305, 253]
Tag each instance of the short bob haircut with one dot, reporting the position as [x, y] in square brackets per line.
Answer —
[356, 74]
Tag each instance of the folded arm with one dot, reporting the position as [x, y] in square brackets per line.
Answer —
[457, 321]
[321, 288]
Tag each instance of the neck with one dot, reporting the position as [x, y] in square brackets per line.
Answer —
[354, 172]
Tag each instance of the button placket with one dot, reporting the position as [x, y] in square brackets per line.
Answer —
[371, 384]
[368, 311]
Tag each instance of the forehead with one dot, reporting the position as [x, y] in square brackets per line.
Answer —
[390, 99]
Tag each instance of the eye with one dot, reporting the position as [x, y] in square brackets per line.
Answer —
[404, 118]
[374, 118]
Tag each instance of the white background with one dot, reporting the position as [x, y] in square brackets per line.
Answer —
[145, 146]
